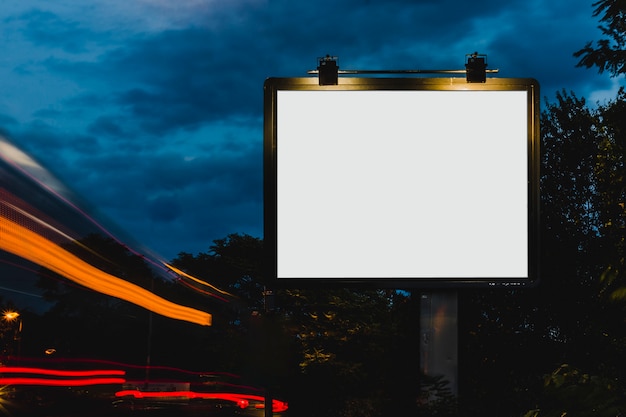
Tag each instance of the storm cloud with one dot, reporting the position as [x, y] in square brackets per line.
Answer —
[152, 111]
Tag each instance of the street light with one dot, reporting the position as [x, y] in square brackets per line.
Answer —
[10, 316]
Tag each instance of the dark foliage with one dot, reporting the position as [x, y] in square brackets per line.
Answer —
[608, 54]
[513, 338]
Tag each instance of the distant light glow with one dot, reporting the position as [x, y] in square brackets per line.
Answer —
[10, 315]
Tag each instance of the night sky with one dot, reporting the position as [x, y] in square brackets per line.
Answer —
[151, 110]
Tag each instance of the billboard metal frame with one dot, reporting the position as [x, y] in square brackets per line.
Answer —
[271, 88]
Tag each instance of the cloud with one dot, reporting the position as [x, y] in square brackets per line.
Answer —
[153, 110]
[181, 78]
[177, 79]
[6, 120]
[47, 29]
[187, 190]
[164, 209]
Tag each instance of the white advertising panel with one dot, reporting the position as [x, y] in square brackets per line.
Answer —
[427, 182]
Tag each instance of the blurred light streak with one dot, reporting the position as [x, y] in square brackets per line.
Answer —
[35, 219]
[43, 223]
[199, 281]
[57, 372]
[21, 375]
[103, 362]
[25, 243]
[61, 382]
[201, 291]
[20, 292]
[242, 400]
[37, 173]
[27, 165]
[46, 181]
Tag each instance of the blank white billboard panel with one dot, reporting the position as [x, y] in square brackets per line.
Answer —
[429, 184]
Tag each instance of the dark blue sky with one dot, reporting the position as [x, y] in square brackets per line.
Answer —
[152, 109]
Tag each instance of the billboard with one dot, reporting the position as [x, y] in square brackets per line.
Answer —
[401, 182]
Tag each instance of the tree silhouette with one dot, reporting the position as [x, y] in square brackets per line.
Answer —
[513, 338]
[609, 54]
[86, 323]
[328, 351]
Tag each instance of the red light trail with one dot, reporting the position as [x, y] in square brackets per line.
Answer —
[242, 400]
[16, 375]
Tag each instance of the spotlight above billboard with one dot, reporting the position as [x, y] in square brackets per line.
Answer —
[402, 182]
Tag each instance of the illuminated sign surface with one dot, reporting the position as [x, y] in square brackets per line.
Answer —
[402, 181]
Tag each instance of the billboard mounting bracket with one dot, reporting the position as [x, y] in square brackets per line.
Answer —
[475, 70]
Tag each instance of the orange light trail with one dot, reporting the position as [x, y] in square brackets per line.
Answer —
[199, 290]
[199, 281]
[23, 169]
[27, 244]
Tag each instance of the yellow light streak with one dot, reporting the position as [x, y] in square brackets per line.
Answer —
[199, 281]
[27, 244]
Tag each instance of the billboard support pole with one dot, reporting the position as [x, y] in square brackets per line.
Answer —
[438, 348]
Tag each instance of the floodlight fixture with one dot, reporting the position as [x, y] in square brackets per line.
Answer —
[475, 68]
[328, 70]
